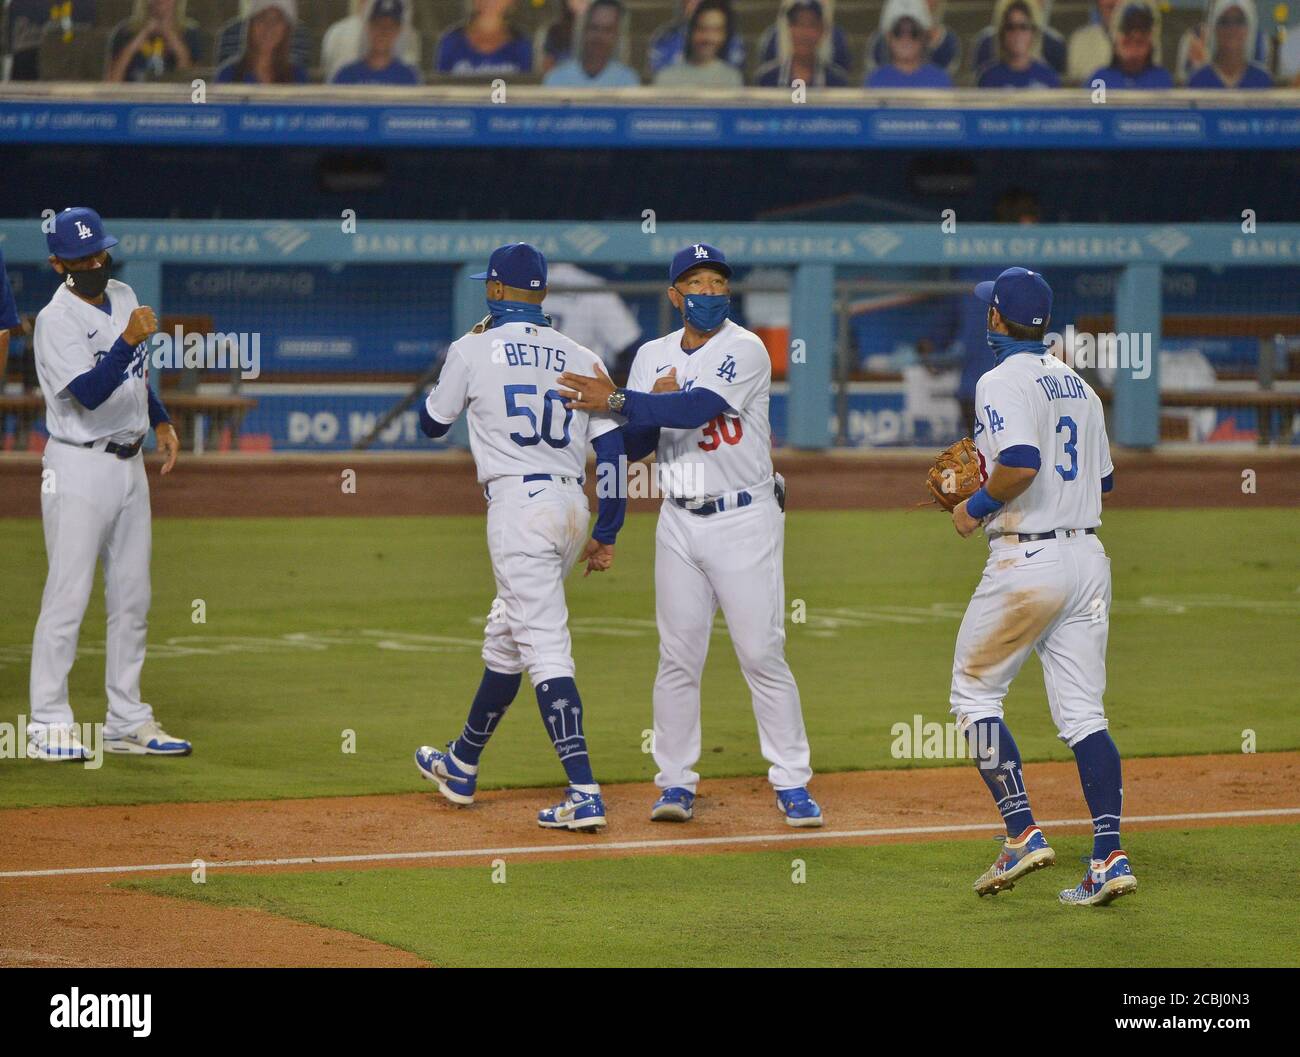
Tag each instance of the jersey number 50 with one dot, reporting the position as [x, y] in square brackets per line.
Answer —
[547, 432]
[720, 430]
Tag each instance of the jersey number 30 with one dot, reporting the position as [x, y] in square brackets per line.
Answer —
[720, 430]
[1069, 473]
[547, 432]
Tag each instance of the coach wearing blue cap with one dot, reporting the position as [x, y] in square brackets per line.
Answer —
[92, 359]
[699, 398]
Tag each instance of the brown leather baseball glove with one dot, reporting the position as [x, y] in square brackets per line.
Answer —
[955, 474]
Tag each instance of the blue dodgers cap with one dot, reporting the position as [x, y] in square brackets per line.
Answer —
[78, 232]
[393, 9]
[519, 265]
[695, 255]
[1019, 295]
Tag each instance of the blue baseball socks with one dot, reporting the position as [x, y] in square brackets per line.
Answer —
[495, 692]
[561, 709]
[1103, 788]
[990, 739]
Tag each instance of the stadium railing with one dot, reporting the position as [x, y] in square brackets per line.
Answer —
[347, 321]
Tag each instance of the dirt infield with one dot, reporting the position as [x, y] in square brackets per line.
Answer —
[311, 485]
[78, 918]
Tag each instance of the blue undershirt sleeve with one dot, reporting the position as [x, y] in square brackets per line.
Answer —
[687, 410]
[93, 387]
[1021, 455]
[429, 425]
[611, 485]
[157, 413]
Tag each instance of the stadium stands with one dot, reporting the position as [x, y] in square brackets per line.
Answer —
[75, 47]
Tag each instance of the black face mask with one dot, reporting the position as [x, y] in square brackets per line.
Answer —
[91, 283]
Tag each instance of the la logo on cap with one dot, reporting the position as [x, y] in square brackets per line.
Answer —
[83, 231]
[700, 251]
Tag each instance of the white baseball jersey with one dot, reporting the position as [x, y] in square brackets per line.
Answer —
[1040, 401]
[597, 319]
[71, 336]
[518, 424]
[734, 450]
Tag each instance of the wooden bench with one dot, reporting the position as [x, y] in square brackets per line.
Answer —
[216, 413]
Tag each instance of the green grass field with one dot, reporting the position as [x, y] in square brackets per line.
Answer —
[898, 905]
[317, 627]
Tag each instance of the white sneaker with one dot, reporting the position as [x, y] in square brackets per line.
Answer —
[148, 739]
[56, 742]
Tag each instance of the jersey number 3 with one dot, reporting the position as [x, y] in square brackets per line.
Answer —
[721, 429]
[1069, 473]
[547, 431]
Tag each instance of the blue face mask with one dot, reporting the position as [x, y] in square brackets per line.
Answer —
[1004, 345]
[517, 312]
[705, 311]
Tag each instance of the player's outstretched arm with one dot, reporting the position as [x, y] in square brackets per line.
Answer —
[681, 410]
[611, 500]
[169, 444]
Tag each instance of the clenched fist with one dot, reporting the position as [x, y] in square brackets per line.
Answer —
[667, 383]
[142, 325]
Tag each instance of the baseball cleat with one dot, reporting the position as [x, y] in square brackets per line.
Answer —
[56, 743]
[1103, 883]
[148, 739]
[581, 811]
[675, 804]
[453, 779]
[798, 807]
[1027, 853]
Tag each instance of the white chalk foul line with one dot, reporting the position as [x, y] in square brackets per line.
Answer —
[626, 845]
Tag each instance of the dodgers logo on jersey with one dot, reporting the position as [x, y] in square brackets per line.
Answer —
[727, 371]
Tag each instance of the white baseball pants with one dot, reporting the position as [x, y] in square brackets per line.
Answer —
[536, 530]
[731, 559]
[1052, 596]
[95, 507]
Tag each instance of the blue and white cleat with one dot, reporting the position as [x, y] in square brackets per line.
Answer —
[800, 810]
[148, 739]
[1103, 883]
[56, 743]
[675, 804]
[581, 811]
[454, 779]
[1027, 853]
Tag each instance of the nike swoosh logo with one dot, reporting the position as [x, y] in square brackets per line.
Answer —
[1030, 554]
[663, 368]
[91, 334]
[537, 493]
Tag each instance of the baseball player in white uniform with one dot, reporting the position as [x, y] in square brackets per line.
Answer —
[92, 361]
[531, 454]
[699, 397]
[1046, 463]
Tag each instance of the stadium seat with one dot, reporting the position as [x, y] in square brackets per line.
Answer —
[79, 59]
